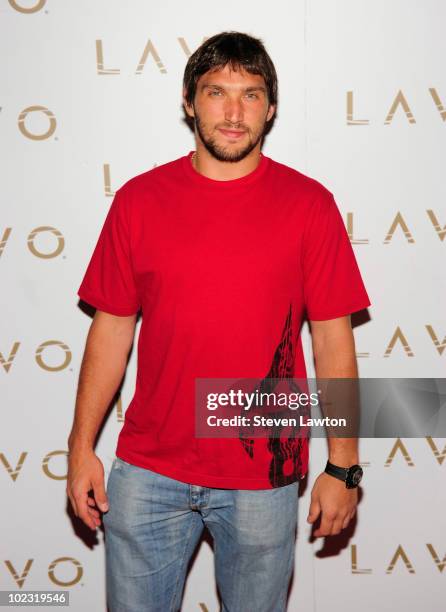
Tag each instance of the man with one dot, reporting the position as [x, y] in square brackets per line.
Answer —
[224, 250]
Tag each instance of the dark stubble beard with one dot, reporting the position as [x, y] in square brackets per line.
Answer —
[219, 152]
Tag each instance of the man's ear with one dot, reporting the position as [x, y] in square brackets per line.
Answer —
[271, 111]
[188, 107]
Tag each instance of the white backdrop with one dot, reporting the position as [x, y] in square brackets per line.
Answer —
[362, 109]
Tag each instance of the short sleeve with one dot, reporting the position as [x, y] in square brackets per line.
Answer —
[109, 282]
[333, 286]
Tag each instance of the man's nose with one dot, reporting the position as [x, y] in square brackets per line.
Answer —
[234, 110]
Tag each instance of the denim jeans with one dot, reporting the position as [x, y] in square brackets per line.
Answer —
[153, 526]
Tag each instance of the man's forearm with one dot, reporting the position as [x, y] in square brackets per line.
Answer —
[338, 360]
[102, 369]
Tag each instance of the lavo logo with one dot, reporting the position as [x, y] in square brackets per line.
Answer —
[20, 578]
[108, 191]
[31, 241]
[149, 51]
[400, 100]
[397, 223]
[14, 471]
[37, 109]
[399, 555]
[119, 410]
[399, 338]
[7, 362]
[29, 9]
[399, 447]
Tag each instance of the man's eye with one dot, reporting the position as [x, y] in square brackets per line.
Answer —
[215, 93]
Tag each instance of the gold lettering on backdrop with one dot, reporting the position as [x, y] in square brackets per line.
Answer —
[185, 47]
[19, 580]
[400, 554]
[37, 109]
[354, 240]
[107, 182]
[149, 49]
[440, 564]
[43, 346]
[440, 457]
[399, 221]
[441, 231]
[4, 239]
[46, 228]
[354, 561]
[400, 100]
[438, 103]
[119, 413]
[77, 565]
[7, 363]
[398, 335]
[45, 464]
[29, 9]
[439, 346]
[350, 120]
[100, 68]
[399, 446]
[16, 471]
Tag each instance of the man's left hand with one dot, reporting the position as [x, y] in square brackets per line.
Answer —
[337, 504]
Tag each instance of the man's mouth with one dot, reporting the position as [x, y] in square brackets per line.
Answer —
[232, 133]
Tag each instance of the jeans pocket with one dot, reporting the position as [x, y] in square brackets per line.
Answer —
[115, 464]
[120, 464]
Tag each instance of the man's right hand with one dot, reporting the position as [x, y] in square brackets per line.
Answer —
[103, 365]
[85, 473]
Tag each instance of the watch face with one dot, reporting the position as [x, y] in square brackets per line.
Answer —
[355, 476]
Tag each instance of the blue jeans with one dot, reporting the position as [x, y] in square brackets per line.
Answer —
[153, 526]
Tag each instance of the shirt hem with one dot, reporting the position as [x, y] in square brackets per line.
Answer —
[341, 312]
[97, 303]
[204, 480]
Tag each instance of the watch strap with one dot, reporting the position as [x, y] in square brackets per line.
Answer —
[336, 471]
[351, 476]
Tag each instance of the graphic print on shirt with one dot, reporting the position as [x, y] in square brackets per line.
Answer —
[286, 461]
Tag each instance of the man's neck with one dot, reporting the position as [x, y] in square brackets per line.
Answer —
[206, 164]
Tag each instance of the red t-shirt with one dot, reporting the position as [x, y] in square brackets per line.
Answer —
[223, 272]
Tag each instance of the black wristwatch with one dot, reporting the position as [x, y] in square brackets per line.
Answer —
[351, 476]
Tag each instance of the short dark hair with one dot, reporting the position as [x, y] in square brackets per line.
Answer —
[239, 51]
